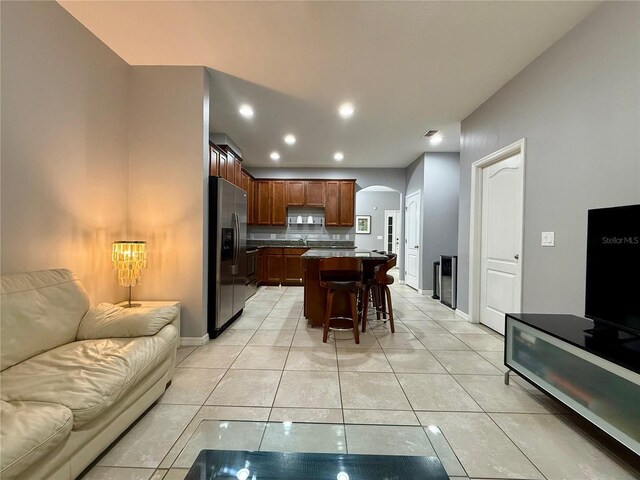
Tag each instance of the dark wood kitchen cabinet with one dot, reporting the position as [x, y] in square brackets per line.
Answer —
[231, 168]
[314, 193]
[274, 266]
[347, 203]
[263, 202]
[293, 267]
[214, 160]
[237, 174]
[280, 266]
[278, 202]
[244, 182]
[295, 192]
[251, 202]
[339, 203]
[222, 165]
[305, 193]
[261, 267]
[332, 204]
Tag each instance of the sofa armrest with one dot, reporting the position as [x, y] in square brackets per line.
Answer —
[111, 321]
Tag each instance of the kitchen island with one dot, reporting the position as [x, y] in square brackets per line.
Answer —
[314, 294]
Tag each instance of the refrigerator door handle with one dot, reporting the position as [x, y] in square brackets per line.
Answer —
[236, 243]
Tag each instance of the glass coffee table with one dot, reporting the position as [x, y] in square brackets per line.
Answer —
[214, 449]
[249, 465]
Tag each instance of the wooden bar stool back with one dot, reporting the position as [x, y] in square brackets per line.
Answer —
[381, 293]
[341, 274]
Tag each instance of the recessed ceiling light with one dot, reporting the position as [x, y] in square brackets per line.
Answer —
[275, 156]
[339, 156]
[289, 139]
[346, 110]
[436, 139]
[246, 111]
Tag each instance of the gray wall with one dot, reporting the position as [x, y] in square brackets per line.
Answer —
[440, 216]
[64, 147]
[436, 175]
[578, 106]
[167, 202]
[374, 204]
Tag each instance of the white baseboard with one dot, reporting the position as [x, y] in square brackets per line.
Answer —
[461, 314]
[194, 341]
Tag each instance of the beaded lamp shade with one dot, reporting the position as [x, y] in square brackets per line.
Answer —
[129, 258]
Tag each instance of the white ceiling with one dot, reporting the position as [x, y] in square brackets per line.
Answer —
[406, 66]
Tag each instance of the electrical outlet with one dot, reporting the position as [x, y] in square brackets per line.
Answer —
[548, 239]
[379, 237]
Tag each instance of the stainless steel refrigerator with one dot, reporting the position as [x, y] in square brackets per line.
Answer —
[227, 254]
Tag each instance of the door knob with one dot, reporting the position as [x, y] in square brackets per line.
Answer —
[417, 246]
[516, 256]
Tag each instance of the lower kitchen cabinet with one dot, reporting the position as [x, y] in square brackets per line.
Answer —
[293, 266]
[280, 266]
[275, 266]
[261, 267]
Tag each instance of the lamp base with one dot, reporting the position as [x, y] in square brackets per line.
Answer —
[129, 304]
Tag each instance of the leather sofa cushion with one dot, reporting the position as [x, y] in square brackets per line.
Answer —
[87, 376]
[39, 311]
[111, 321]
[28, 432]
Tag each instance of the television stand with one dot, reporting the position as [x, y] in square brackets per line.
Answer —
[594, 371]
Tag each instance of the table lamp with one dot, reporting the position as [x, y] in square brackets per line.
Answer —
[129, 258]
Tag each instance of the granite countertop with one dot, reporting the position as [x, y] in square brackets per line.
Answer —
[342, 252]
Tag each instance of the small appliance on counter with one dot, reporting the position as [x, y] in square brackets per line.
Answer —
[227, 254]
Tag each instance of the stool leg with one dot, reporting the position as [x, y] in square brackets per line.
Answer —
[377, 292]
[365, 310]
[383, 304]
[354, 313]
[327, 317]
[389, 308]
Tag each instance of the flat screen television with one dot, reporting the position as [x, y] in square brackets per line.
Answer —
[613, 267]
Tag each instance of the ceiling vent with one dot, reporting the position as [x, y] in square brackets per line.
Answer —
[431, 133]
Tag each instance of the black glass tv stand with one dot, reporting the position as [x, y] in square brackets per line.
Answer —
[593, 369]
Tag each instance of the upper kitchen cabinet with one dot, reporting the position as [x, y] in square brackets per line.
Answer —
[248, 185]
[237, 174]
[214, 160]
[314, 193]
[278, 202]
[229, 158]
[262, 190]
[269, 199]
[305, 193]
[340, 203]
[347, 203]
[295, 192]
[244, 183]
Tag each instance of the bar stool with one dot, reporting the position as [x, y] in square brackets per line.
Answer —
[380, 285]
[341, 274]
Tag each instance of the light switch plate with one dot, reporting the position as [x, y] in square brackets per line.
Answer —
[379, 237]
[548, 239]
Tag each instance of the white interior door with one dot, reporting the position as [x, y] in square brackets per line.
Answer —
[501, 241]
[412, 239]
[391, 231]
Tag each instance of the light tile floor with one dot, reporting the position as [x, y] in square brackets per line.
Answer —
[433, 387]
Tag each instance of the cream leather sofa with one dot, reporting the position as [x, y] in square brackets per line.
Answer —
[74, 377]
